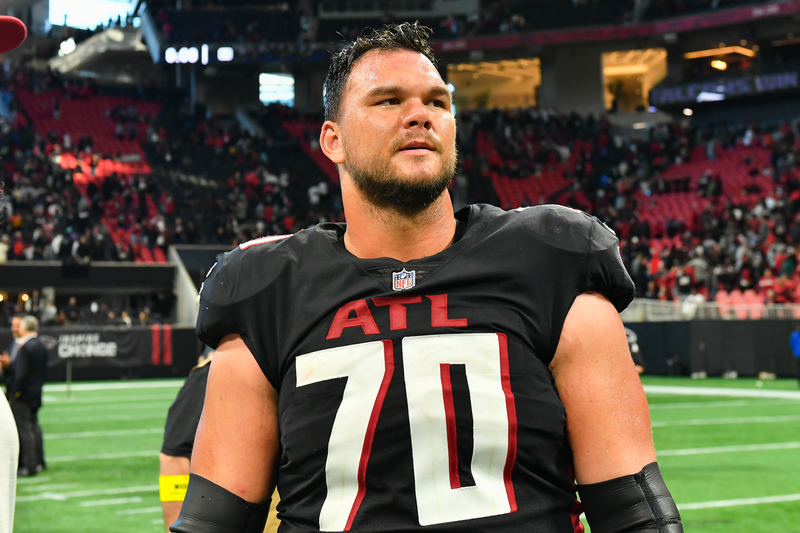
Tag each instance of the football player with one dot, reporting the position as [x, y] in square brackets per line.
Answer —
[417, 369]
[12, 34]
[176, 450]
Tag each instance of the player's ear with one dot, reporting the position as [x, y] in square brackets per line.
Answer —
[330, 142]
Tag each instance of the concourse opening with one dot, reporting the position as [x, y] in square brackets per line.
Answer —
[495, 84]
[628, 76]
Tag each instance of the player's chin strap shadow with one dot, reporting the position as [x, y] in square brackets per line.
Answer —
[209, 508]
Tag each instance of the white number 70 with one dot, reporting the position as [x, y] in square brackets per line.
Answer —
[369, 368]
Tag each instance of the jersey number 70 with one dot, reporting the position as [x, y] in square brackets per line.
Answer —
[369, 368]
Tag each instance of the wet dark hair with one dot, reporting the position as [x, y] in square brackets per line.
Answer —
[406, 36]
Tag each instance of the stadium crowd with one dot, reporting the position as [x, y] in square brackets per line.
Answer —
[88, 311]
[215, 183]
[49, 217]
[745, 241]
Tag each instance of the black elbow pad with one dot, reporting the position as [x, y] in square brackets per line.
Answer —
[209, 508]
[640, 503]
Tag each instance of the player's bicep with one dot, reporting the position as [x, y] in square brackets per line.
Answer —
[608, 420]
[237, 439]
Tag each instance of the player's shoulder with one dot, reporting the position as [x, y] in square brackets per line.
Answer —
[554, 225]
[268, 248]
[255, 264]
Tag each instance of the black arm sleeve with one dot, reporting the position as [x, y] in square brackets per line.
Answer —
[640, 503]
[209, 508]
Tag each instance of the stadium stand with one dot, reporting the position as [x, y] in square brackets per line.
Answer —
[670, 8]
[101, 176]
[664, 210]
[242, 24]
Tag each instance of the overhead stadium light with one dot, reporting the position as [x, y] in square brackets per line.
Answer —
[705, 96]
[719, 64]
[721, 52]
[225, 53]
[67, 47]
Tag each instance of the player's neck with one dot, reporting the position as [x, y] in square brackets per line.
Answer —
[373, 233]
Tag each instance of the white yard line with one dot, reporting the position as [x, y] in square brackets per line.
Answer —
[142, 510]
[32, 480]
[729, 449]
[161, 384]
[704, 405]
[110, 501]
[109, 433]
[723, 421]
[96, 457]
[60, 420]
[149, 405]
[709, 391]
[51, 486]
[51, 401]
[739, 502]
[61, 496]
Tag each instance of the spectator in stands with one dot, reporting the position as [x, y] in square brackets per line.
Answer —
[144, 317]
[690, 304]
[49, 316]
[72, 312]
[5, 244]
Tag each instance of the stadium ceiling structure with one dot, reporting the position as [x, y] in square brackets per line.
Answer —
[506, 83]
[628, 76]
[6, 5]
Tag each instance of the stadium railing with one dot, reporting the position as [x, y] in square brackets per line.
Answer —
[650, 310]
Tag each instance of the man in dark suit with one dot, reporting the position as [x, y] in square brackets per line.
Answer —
[25, 395]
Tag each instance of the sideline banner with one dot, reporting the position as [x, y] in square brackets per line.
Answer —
[119, 347]
[724, 88]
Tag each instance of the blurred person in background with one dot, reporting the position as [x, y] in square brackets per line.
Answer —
[794, 343]
[5, 244]
[49, 316]
[27, 375]
[176, 451]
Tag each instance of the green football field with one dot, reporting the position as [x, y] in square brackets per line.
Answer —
[729, 451]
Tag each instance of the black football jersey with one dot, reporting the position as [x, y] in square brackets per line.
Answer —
[417, 396]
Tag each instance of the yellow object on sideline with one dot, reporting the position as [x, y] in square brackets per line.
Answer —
[173, 488]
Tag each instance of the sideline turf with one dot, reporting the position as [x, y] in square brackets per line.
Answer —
[119, 494]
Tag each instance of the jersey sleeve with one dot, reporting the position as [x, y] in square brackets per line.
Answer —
[605, 272]
[572, 253]
[232, 301]
[585, 253]
[184, 415]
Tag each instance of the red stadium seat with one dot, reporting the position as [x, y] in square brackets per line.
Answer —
[723, 300]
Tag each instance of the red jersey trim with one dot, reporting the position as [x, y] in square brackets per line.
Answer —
[450, 422]
[262, 240]
[511, 458]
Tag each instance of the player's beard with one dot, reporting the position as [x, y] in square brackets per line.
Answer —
[408, 195]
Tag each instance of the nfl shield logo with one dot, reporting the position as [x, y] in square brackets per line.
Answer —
[403, 280]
